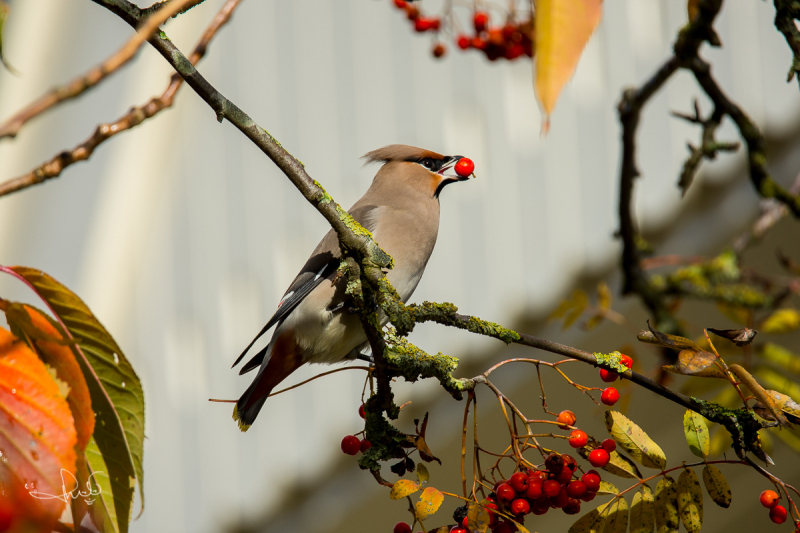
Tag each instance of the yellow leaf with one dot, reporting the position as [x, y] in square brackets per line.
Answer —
[428, 503]
[603, 295]
[478, 517]
[696, 430]
[643, 512]
[607, 488]
[616, 513]
[403, 488]
[666, 506]
[690, 501]
[635, 441]
[562, 30]
[591, 522]
[782, 321]
[422, 473]
[717, 486]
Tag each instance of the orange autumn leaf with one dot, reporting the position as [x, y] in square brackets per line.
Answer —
[37, 431]
[57, 354]
[563, 28]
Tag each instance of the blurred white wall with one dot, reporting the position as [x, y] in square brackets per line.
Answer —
[181, 236]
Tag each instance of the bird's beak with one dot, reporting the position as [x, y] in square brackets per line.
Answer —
[448, 172]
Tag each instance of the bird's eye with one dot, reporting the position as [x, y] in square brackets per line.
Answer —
[427, 163]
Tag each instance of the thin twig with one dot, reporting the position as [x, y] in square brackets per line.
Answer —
[55, 166]
[97, 74]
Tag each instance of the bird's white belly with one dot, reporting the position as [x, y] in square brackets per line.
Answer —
[323, 336]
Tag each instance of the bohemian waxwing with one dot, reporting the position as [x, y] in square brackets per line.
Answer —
[314, 324]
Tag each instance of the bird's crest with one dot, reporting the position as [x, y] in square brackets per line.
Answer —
[398, 152]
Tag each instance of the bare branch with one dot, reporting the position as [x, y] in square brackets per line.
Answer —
[55, 166]
[85, 82]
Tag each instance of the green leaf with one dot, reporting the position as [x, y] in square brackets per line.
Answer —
[591, 522]
[115, 390]
[643, 513]
[782, 321]
[616, 512]
[103, 509]
[717, 486]
[478, 517]
[635, 441]
[690, 501]
[696, 431]
[429, 502]
[422, 473]
[403, 488]
[666, 506]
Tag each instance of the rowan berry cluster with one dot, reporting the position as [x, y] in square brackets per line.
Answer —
[556, 484]
[510, 41]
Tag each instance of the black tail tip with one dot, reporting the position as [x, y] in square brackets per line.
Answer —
[246, 416]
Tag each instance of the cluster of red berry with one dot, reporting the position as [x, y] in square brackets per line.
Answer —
[777, 513]
[510, 41]
[535, 492]
[351, 444]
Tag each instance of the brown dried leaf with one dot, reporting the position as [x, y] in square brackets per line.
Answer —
[740, 337]
[478, 517]
[700, 364]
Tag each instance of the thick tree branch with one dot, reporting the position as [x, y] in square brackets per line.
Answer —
[85, 82]
[55, 166]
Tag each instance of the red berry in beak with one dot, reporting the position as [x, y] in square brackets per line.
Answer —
[464, 167]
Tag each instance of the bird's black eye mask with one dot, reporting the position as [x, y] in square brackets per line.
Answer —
[434, 165]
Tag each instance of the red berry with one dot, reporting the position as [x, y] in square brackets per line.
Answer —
[505, 493]
[364, 445]
[458, 529]
[439, 50]
[778, 514]
[538, 474]
[534, 488]
[570, 462]
[609, 396]
[576, 489]
[541, 506]
[400, 4]
[435, 24]
[412, 13]
[599, 458]
[361, 412]
[573, 506]
[566, 418]
[480, 44]
[351, 445]
[769, 498]
[578, 438]
[592, 481]
[560, 500]
[513, 51]
[588, 496]
[551, 488]
[519, 482]
[422, 24]
[609, 445]
[465, 167]
[626, 361]
[401, 527]
[608, 376]
[463, 42]
[480, 20]
[508, 31]
[564, 476]
[520, 506]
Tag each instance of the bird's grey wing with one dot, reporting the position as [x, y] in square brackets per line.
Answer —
[321, 265]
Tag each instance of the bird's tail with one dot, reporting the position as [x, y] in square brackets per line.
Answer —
[282, 358]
